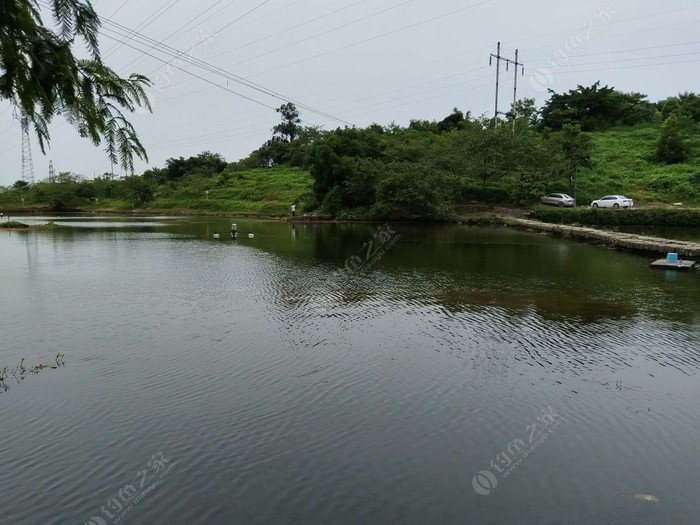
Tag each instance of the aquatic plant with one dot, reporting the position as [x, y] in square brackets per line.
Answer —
[20, 371]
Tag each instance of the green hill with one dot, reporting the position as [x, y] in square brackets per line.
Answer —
[622, 162]
[266, 191]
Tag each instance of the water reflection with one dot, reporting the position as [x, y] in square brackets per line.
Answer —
[292, 390]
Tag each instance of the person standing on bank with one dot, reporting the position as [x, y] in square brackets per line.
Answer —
[293, 209]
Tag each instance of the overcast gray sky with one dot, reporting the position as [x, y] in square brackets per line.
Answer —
[357, 62]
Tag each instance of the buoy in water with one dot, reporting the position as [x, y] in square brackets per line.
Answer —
[251, 235]
[216, 235]
[646, 497]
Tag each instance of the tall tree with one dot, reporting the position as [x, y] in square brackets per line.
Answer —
[42, 77]
[289, 128]
[455, 120]
[576, 148]
[672, 144]
[280, 147]
[525, 110]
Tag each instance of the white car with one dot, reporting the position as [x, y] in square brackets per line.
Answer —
[613, 201]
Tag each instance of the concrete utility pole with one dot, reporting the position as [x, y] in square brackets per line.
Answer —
[508, 61]
[498, 58]
[515, 84]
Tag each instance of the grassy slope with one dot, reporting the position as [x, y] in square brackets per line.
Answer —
[267, 191]
[623, 163]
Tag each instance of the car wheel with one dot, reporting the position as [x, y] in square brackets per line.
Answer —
[616, 205]
[595, 205]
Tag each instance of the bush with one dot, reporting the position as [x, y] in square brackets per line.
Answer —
[411, 191]
[673, 145]
[598, 217]
[333, 201]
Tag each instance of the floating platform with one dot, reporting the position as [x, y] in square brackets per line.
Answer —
[680, 264]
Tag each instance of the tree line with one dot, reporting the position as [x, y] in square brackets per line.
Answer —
[421, 170]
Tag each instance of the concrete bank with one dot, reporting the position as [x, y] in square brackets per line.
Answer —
[628, 241]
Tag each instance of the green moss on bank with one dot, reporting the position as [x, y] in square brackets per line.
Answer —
[13, 225]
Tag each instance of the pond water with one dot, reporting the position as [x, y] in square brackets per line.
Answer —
[342, 374]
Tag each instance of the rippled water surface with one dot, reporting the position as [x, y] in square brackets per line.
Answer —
[289, 378]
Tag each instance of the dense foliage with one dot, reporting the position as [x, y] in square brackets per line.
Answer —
[596, 108]
[43, 78]
[428, 169]
[609, 217]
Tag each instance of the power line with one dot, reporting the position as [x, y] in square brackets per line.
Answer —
[236, 20]
[628, 59]
[164, 48]
[477, 50]
[291, 28]
[624, 21]
[411, 26]
[306, 39]
[195, 75]
[628, 67]
[155, 16]
[118, 9]
[137, 59]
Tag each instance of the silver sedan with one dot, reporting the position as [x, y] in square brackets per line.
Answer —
[558, 199]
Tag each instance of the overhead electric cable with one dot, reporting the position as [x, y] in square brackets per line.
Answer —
[164, 48]
[411, 26]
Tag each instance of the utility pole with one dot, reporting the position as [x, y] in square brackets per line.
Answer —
[52, 172]
[498, 58]
[515, 84]
[508, 62]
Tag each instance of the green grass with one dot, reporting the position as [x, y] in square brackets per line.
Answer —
[266, 191]
[111, 204]
[622, 162]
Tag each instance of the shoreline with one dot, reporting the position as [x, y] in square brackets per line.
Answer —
[617, 240]
[511, 218]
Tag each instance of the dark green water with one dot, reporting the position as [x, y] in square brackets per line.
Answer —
[268, 380]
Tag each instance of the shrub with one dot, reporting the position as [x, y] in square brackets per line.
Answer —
[598, 217]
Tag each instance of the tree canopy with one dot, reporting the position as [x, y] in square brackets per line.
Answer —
[42, 77]
[595, 108]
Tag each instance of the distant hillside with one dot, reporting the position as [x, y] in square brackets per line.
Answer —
[622, 162]
[262, 190]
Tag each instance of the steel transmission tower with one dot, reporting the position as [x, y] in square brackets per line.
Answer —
[52, 172]
[27, 165]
